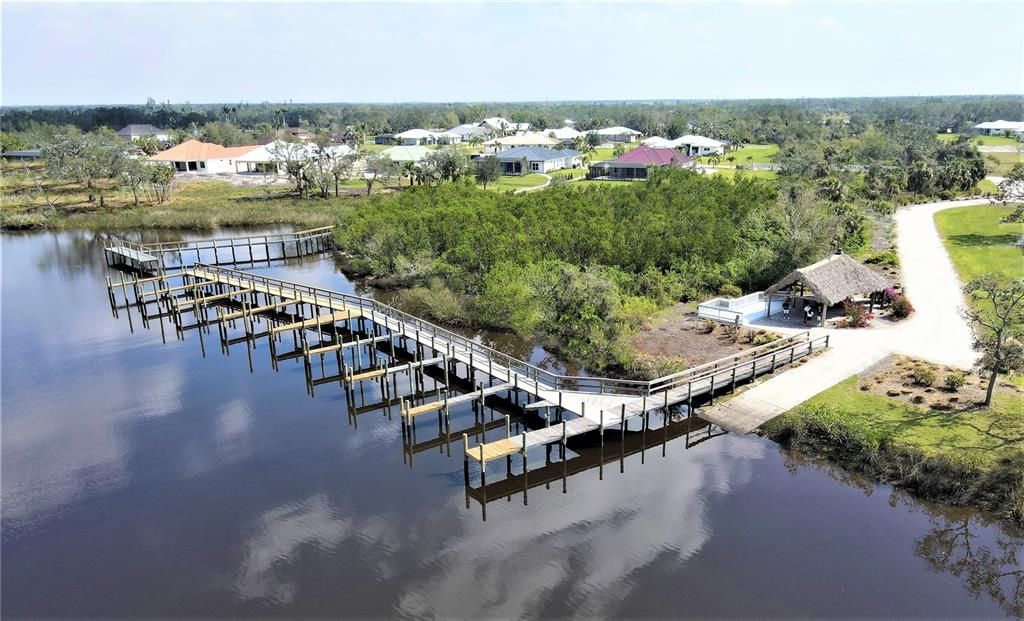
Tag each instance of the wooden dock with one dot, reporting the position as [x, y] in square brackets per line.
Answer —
[397, 343]
[247, 249]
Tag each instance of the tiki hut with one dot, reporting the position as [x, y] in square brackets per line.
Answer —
[828, 282]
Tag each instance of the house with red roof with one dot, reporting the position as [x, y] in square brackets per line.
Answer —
[635, 164]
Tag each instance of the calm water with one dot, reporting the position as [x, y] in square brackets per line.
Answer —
[143, 478]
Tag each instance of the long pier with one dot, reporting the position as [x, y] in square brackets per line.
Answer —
[245, 249]
[593, 404]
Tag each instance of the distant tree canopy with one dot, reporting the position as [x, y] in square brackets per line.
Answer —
[748, 121]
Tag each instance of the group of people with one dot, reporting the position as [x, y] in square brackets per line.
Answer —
[811, 311]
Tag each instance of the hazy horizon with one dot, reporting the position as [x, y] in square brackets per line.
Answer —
[122, 54]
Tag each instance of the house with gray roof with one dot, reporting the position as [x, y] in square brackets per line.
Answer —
[527, 160]
[136, 131]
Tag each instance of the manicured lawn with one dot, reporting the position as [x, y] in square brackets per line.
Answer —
[999, 164]
[569, 173]
[747, 154]
[996, 141]
[601, 154]
[978, 242]
[503, 184]
[976, 434]
[989, 141]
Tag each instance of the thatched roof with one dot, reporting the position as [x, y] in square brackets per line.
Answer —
[834, 279]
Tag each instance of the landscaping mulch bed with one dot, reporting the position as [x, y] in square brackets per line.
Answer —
[678, 333]
[924, 384]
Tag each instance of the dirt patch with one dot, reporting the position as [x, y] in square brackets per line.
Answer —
[928, 385]
[678, 333]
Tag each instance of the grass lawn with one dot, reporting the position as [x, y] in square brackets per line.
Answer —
[996, 141]
[569, 173]
[988, 141]
[978, 434]
[747, 154]
[504, 184]
[601, 154]
[1000, 163]
[978, 242]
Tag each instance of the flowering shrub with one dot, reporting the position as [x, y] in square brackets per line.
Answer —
[856, 315]
[901, 307]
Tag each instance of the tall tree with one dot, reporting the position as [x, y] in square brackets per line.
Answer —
[488, 169]
[998, 321]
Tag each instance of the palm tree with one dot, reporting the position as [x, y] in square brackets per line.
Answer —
[409, 169]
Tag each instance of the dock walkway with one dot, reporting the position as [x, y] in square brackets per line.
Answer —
[591, 403]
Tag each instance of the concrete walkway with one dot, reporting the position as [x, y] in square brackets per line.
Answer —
[935, 332]
[536, 187]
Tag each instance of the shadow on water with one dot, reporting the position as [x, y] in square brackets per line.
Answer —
[146, 474]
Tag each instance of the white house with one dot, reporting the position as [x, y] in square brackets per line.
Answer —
[531, 139]
[193, 156]
[565, 135]
[448, 137]
[617, 133]
[526, 160]
[412, 137]
[269, 158]
[500, 124]
[658, 142]
[697, 145]
[134, 132]
[1000, 128]
[404, 154]
[467, 131]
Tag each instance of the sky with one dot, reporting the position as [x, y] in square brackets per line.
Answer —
[96, 53]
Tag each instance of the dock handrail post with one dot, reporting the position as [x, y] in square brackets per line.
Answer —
[602, 427]
[508, 426]
[623, 421]
[563, 433]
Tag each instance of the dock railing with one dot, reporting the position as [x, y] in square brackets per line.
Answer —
[424, 331]
[228, 242]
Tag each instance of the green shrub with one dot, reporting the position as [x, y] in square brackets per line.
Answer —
[730, 291]
[887, 257]
[924, 376]
[954, 381]
[883, 208]
[762, 337]
[437, 302]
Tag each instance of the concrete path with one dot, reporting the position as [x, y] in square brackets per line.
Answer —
[536, 187]
[936, 331]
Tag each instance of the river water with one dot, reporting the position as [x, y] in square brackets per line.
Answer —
[150, 478]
